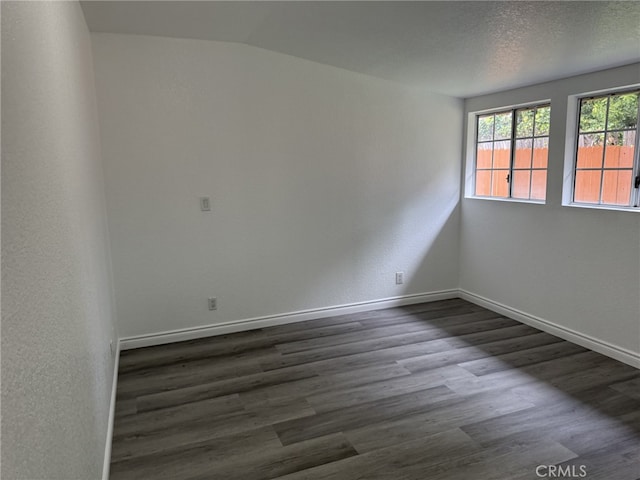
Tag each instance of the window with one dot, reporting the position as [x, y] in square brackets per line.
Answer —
[606, 161]
[512, 153]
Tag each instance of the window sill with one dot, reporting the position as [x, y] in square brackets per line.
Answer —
[602, 207]
[506, 200]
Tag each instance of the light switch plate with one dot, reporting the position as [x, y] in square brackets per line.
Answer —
[205, 204]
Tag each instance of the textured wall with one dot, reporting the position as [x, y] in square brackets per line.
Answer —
[576, 267]
[324, 182]
[56, 293]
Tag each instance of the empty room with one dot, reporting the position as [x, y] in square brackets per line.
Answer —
[317, 240]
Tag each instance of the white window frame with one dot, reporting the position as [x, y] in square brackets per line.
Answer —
[471, 153]
[571, 153]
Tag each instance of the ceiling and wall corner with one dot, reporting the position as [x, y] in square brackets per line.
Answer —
[437, 46]
[458, 48]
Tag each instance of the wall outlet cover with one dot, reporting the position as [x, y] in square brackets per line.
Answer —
[213, 303]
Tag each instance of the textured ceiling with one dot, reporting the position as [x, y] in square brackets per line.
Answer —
[455, 48]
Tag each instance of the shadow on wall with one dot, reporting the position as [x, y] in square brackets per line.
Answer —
[417, 237]
[439, 247]
[352, 232]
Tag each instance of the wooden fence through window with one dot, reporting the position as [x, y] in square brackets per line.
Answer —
[616, 184]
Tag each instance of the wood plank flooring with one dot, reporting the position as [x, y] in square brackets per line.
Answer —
[443, 390]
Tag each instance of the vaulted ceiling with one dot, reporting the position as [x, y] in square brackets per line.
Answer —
[454, 48]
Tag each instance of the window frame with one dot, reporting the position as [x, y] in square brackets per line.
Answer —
[473, 142]
[573, 125]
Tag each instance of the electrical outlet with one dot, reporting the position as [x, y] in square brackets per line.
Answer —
[213, 303]
[205, 204]
[399, 278]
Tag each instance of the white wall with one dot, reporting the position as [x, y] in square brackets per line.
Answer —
[577, 268]
[56, 295]
[324, 182]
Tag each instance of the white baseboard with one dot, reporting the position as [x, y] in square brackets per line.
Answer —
[112, 413]
[280, 319]
[618, 353]
[627, 356]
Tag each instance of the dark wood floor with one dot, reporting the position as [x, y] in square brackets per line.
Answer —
[444, 390]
